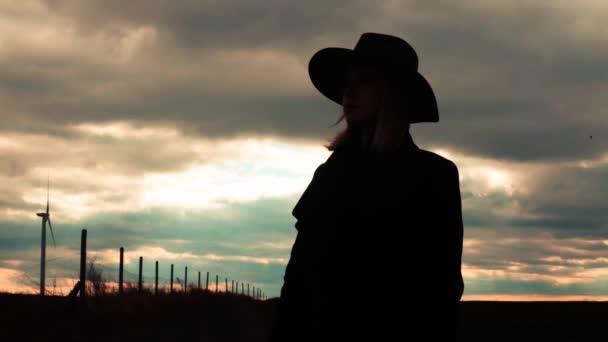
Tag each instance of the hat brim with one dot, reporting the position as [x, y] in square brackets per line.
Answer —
[327, 67]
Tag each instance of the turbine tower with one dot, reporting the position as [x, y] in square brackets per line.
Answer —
[45, 217]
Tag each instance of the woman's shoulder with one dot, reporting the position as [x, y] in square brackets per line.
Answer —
[436, 161]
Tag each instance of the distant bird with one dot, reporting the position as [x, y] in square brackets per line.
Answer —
[46, 216]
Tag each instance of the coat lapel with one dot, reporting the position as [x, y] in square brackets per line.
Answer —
[347, 177]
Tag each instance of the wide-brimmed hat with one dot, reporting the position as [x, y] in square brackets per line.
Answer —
[392, 56]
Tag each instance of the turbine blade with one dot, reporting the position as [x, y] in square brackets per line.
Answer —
[52, 235]
[47, 194]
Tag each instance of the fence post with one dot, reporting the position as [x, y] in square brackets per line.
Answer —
[199, 280]
[226, 286]
[242, 288]
[186, 280]
[207, 284]
[121, 269]
[232, 286]
[171, 286]
[156, 279]
[141, 264]
[247, 289]
[83, 263]
[237, 288]
[216, 282]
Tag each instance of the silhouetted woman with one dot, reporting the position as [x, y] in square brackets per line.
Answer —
[379, 228]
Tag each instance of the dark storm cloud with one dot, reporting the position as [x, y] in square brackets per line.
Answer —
[84, 162]
[516, 81]
[570, 201]
[223, 24]
[501, 249]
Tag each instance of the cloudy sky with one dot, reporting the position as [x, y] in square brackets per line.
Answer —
[186, 132]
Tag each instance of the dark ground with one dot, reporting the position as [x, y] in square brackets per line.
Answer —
[204, 317]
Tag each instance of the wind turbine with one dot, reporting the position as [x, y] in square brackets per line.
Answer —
[45, 217]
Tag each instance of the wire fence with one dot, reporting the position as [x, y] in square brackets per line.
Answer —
[104, 278]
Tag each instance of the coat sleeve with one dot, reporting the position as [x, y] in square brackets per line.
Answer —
[449, 285]
[294, 310]
[455, 235]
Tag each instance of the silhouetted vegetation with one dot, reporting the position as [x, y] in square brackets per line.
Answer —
[210, 316]
[201, 315]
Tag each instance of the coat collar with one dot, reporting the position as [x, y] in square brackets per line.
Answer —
[354, 145]
[343, 165]
[351, 156]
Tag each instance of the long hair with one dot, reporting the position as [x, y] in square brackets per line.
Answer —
[390, 126]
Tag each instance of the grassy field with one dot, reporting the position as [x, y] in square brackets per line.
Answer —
[535, 321]
[196, 317]
[208, 317]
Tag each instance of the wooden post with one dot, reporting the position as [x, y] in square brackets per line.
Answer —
[186, 280]
[237, 288]
[43, 257]
[242, 288]
[226, 291]
[199, 280]
[139, 283]
[207, 284]
[156, 279]
[171, 284]
[121, 269]
[232, 286]
[247, 289]
[216, 282]
[83, 262]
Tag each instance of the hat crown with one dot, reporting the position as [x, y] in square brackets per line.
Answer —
[392, 56]
[383, 49]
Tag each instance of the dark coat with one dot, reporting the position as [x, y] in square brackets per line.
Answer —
[378, 248]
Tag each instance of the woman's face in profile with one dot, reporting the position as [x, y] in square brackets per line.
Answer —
[362, 94]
